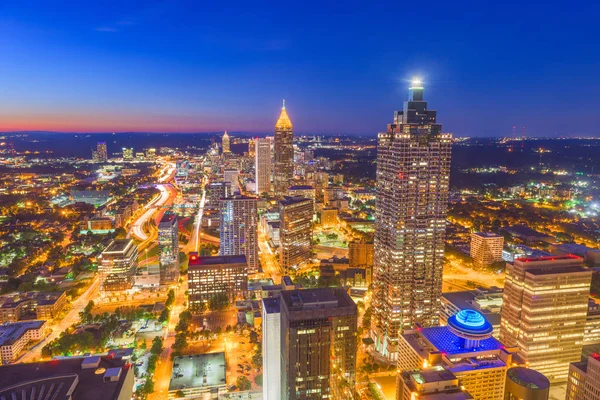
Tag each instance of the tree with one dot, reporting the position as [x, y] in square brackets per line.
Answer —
[179, 394]
[243, 383]
[180, 344]
[218, 302]
[157, 345]
[170, 298]
[259, 379]
[164, 315]
[366, 320]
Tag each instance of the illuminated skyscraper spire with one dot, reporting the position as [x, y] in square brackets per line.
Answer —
[283, 171]
[226, 143]
[284, 121]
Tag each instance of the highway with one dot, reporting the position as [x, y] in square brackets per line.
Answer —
[137, 228]
[194, 243]
[269, 260]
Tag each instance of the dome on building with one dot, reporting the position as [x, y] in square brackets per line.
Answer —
[470, 324]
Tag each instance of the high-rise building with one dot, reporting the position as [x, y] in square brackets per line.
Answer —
[584, 379]
[329, 217]
[486, 247]
[271, 348]
[127, 153]
[210, 276]
[433, 383]
[413, 172]
[526, 384]
[283, 169]
[118, 264]
[295, 230]
[101, 152]
[238, 229]
[252, 148]
[168, 248]
[464, 347]
[226, 143]
[318, 344]
[262, 165]
[545, 310]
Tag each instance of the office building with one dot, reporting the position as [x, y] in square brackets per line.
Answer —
[101, 153]
[486, 247]
[271, 348]
[15, 336]
[283, 169]
[303, 191]
[584, 379]
[127, 153]
[413, 172]
[318, 344]
[329, 217]
[117, 265]
[75, 378]
[545, 310]
[31, 305]
[360, 254]
[465, 347]
[526, 384]
[238, 229]
[434, 383]
[168, 248]
[262, 165]
[487, 301]
[295, 230]
[231, 176]
[226, 143]
[216, 275]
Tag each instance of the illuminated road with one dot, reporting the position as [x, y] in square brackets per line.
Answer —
[71, 318]
[269, 261]
[137, 228]
[194, 243]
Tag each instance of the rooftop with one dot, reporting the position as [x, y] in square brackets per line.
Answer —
[196, 260]
[289, 200]
[11, 332]
[42, 298]
[528, 378]
[316, 298]
[487, 234]
[168, 217]
[447, 342]
[271, 305]
[118, 246]
[60, 376]
[198, 370]
[301, 187]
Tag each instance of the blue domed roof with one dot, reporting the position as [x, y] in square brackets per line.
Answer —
[470, 322]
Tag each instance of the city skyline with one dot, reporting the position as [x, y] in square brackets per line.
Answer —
[143, 67]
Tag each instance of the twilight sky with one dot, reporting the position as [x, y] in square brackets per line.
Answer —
[342, 66]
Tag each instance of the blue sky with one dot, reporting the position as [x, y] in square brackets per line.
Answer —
[343, 67]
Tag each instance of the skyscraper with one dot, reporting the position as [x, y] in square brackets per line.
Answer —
[226, 143]
[413, 171]
[117, 266]
[127, 153]
[238, 229]
[271, 348]
[295, 232]
[101, 152]
[262, 165]
[545, 310]
[318, 344]
[168, 248]
[283, 171]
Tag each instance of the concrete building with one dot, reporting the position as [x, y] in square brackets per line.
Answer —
[271, 348]
[544, 312]
[283, 169]
[434, 383]
[360, 254]
[117, 265]
[486, 247]
[526, 384]
[295, 230]
[318, 344]
[31, 305]
[488, 302]
[413, 174]
[584, 379]
[214, 275]
[168, 248]
[15, 336]
[302, 191]
[466, 348]
[198, 376]
[73, 378]
[262, 165]
[329, 217]
[238, 229]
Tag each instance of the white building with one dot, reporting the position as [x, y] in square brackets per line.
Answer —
[271, 348]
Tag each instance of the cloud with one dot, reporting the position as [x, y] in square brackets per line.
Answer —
[106, 29]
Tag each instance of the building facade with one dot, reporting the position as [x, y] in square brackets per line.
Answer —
[168, 248]
[262, 165]
[544, 312]
[584, 379]
[15, 336]
[271, 348]
[318, 344]
[526, 384]
[238, 229]
[117, 266]
[215, 275]
[413, 172]
[101, 152]
[226, 143]
[283, 169]
[38, 305]
[435, 383]
[486, 247]
[295, 230]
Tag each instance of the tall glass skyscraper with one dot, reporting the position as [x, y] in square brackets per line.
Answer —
[283, 171]
[262, 165]
[238, 228]
[413, 173]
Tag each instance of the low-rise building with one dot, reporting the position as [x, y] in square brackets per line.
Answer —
[31, 305]
[198, 375]
[584, 379]
[486, 247]
[15, 336]
[434, 383]
[488, 302]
